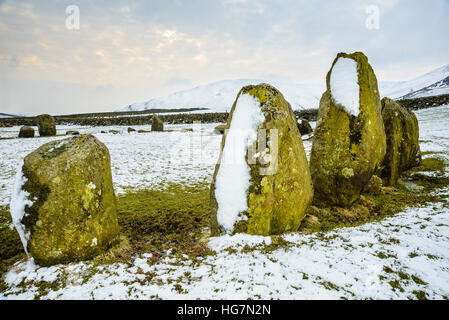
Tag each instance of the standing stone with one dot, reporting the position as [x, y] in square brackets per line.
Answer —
[349, 142]
[157, 124]
[305, 127]
[268, 191]
[71, 210]
[26, 132]
[402, 131]
[46, 125]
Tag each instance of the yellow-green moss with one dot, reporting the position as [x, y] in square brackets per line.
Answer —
[402, 134]
[276, 202]
[73, 215]
[346, 149]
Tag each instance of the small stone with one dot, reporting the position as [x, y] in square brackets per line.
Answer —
[305, 127]
[26, 132]
[374, 185]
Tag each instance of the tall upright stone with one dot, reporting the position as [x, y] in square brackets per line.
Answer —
[402, 131]
[46, 125]
[157, 124]
[262, 183]
[349, 142]
[64, 206]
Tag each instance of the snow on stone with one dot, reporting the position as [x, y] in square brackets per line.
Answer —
[344, 84]
[410, 249]
[19, 200]
[233, 176]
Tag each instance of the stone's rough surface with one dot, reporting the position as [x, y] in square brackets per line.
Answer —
[46, 125]
[402, 132]
[221, 128]
[374, 185]
[347, 149]
[73, 213]
[277, 198]
[26, 132]
[305, 127]
[157, 124]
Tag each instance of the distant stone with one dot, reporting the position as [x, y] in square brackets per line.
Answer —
[349, 140]
[374, 185]
[72, 133]
[265, 192]
[46, 125]
[305, 127]
[157, 124]
[220, 129]
[71, 213]
[26, 132]
[114, 131]
[131, 130]
[402, 131]
[143, 131]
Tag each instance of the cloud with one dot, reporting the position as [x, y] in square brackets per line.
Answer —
[135, 50]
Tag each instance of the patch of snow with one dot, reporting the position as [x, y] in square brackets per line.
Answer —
[344, 85]
[236, 241]
[19, 200]
[233, 176]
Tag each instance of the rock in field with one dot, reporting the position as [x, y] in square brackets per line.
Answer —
[305, 127]
[72, 133]
[46, 125]
[64, 206]
[263, 190]
[349, 142]
[220, 129]
[26, 132]
[131, 130]
[402, 131]
[157, 124]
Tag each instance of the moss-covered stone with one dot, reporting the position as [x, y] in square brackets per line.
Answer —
[347, 149]
[277, 201]
[46, 125]
[73, 215]
[157, 124]
[26, 132]
[304, 127]
[402, 132]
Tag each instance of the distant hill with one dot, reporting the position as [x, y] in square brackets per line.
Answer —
[219, 96]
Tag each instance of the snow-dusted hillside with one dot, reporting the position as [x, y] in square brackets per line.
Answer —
[219, 96]
[416, 88]
[13, 115]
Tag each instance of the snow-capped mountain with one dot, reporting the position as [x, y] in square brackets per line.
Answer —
[219, 96]
[13, 115]
[430, 84]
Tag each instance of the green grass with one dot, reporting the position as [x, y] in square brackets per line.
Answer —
[155, 221]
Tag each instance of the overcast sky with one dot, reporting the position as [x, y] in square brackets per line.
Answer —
[131, 51]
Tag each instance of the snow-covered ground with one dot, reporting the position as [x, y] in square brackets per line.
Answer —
[399, 257]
